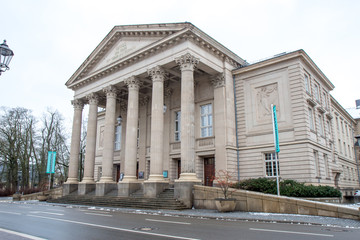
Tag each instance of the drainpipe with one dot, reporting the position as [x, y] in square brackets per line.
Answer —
[357, 144]
[236, 132]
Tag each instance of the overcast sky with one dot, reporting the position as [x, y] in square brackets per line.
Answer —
[51, 39]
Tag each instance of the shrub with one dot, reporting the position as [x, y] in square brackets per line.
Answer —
[288, 188]
[6, 192]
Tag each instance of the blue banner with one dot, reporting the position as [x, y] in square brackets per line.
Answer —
[51, 162]
[276, 132]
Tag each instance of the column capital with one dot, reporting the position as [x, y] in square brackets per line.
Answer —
[111, 91]
[93, 98]
[187, 62]
[133, 82]
[218, 80]
[78, 104]
[157, 74]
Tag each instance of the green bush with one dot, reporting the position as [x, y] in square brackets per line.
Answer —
[288, 188]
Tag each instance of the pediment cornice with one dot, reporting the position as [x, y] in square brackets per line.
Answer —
[168, 37]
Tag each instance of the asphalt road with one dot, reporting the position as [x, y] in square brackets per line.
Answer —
[36, 221]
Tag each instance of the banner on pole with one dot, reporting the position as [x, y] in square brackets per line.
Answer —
[276, 132]
[51, 162]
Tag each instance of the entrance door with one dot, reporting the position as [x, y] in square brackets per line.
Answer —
[209, 171]
[117, 172]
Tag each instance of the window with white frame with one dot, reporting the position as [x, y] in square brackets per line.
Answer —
[177, 126]
[270, 164]
[307, 83]
[311, 119]
[206, 120]
[118, 138]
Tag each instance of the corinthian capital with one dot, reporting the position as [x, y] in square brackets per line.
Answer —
[133, 82]
[187, 62]
[111, 91]
[218, 80]
[78, 104]
[157, 74]
[93, 98]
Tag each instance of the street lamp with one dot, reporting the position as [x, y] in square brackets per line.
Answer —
[6, 55]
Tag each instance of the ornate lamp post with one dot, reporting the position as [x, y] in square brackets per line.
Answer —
[6, 55]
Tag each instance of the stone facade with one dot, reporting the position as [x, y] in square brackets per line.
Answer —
[167, 115]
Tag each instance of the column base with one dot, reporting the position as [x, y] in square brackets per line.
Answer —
[188, 177]
[129, 179]
[125, 189]
[69, 188]
[72, 181]
[102, 188]
[88, 180]
[106, 180]
[183, 191]
[85, 188]
[156, 178]
[152, 189]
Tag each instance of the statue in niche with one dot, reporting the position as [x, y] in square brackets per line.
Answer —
[265, 96]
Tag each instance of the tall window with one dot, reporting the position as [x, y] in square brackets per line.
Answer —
[206, 121]
[311, 119]
[321, 125]
[327, 168]
[316, 92]
[307, 84]
[270, 166]
[118, 137]
[317, 164]
[177, 126]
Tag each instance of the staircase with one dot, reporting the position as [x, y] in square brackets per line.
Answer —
[165, 200]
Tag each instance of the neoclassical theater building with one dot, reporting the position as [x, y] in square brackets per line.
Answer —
[170, 106]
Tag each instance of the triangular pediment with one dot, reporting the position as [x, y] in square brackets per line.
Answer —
[124, 47]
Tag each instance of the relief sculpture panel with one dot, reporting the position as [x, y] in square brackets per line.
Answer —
[265, 96]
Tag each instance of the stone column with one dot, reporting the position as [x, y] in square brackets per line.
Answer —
[184, 185]
[88, 184]
[157, 124]
[220, 127]
[130, 183]
[72, 181]
[109, 134]
[156, 182]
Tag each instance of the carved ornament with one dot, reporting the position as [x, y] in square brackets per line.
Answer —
[218, 80]
[187, 62]
[133, 82]
[78, 104]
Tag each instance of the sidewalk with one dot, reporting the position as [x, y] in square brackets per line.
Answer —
[214, 214]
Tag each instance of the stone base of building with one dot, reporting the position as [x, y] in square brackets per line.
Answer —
[85, 188]
[183, 191]
[153, 189]
[102, 188]
[125, 189]
[69, 188]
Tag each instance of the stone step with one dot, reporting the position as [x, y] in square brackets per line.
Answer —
[164, 201]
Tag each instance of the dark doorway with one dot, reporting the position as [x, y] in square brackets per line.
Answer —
[117, 172]
[178, 168]
[209, 171]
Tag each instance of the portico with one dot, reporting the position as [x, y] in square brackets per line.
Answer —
[160, 80]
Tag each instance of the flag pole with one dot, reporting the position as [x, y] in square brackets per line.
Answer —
[276, 145]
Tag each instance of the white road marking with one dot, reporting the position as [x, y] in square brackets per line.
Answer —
[99, 214]
[57, 210]
[21, 234]
[94, 210]
[14, 213]
[51, 213]
[300, 233]
[114, 228]
[163, 221]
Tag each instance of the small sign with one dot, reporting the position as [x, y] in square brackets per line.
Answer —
[51, 162]
[165, 174]
[141, 175]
